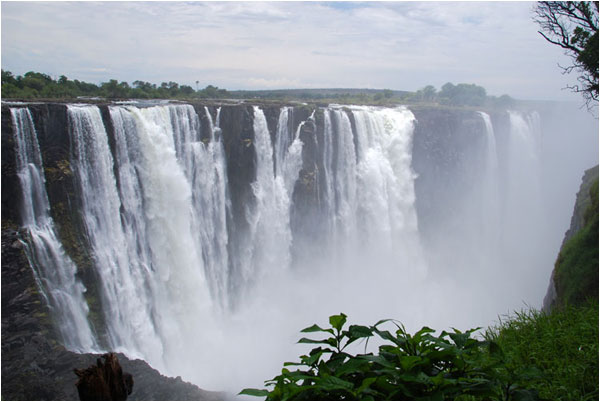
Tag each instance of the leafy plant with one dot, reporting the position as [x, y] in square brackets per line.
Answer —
[453, 365]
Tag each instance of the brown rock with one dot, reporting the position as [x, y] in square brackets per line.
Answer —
[104, 381]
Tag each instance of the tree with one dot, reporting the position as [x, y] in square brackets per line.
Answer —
[114, 89]
[573, 25]
[462, 94]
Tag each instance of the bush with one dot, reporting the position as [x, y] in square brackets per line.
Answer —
[420, 366]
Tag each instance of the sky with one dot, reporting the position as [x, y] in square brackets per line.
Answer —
[275, 45]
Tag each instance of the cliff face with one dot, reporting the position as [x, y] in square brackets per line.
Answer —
[575, 274]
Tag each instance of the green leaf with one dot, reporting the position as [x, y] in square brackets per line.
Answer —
[359, 331]
[313, 358]
[329, 341]
[338, 321]
[353, 365]
[383, 321]
[408, 362]
[332, 383]
[366, 383]
[377, 359]
[495, 349]
[388, 336]
[316, 328]
[254, 392]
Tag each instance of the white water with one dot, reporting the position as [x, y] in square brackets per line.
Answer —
[156, 213]
[524, 216]
[490, 190]
[153, 281]
[270, 234]
[54, 270]
[386, 195]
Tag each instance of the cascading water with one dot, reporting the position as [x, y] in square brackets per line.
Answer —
[386, 197]
[270, 234]
[523, 215]
[342, 166]
[55, 272]
[127, 302]
[183, 290]
[152, 275]
[205, 168]
[490, 211]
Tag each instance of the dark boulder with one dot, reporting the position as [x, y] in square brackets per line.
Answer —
[104, 381]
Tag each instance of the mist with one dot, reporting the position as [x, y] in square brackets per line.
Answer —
[491, 256]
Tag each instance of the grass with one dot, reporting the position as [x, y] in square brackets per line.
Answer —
[563, 345]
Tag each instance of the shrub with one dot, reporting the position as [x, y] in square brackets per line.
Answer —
[421, 366]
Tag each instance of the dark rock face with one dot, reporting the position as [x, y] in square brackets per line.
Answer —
[446, 146]
[104, 381]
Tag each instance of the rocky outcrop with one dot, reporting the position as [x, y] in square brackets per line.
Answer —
[104, 381]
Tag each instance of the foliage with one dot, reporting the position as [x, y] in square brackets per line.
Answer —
[562, 344]
[573, 25]
[37, 85]
[460, 95]
[41, 86]
[421, 366]
[576, 268]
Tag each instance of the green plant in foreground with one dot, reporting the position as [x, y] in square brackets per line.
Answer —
[420, 366]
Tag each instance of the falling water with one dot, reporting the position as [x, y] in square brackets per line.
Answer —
[54, 270]
[157, 217]
[152, 276]
[490, 211]
[386, 197]
[270, 232]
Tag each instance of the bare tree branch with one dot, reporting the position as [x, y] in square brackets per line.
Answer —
[573, 25]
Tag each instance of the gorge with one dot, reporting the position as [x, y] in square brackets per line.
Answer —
[201, 237]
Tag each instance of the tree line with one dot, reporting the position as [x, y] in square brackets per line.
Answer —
[34, 85]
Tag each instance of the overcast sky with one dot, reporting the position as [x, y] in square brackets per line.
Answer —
[252, 45]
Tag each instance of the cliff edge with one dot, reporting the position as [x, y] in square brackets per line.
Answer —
[575, 275]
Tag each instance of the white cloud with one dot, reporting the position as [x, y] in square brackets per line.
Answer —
[399, 45]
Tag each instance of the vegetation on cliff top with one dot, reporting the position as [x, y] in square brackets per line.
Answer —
[34, 85]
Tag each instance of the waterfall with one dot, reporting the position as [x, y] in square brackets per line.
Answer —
[490, 212]
[184, 283]
[53, 269]
[369, 186]
[269, 218]
[126, 300]
[523, 189]
[205, 169]
[385, 178]
[153, 279]
[343, 168]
